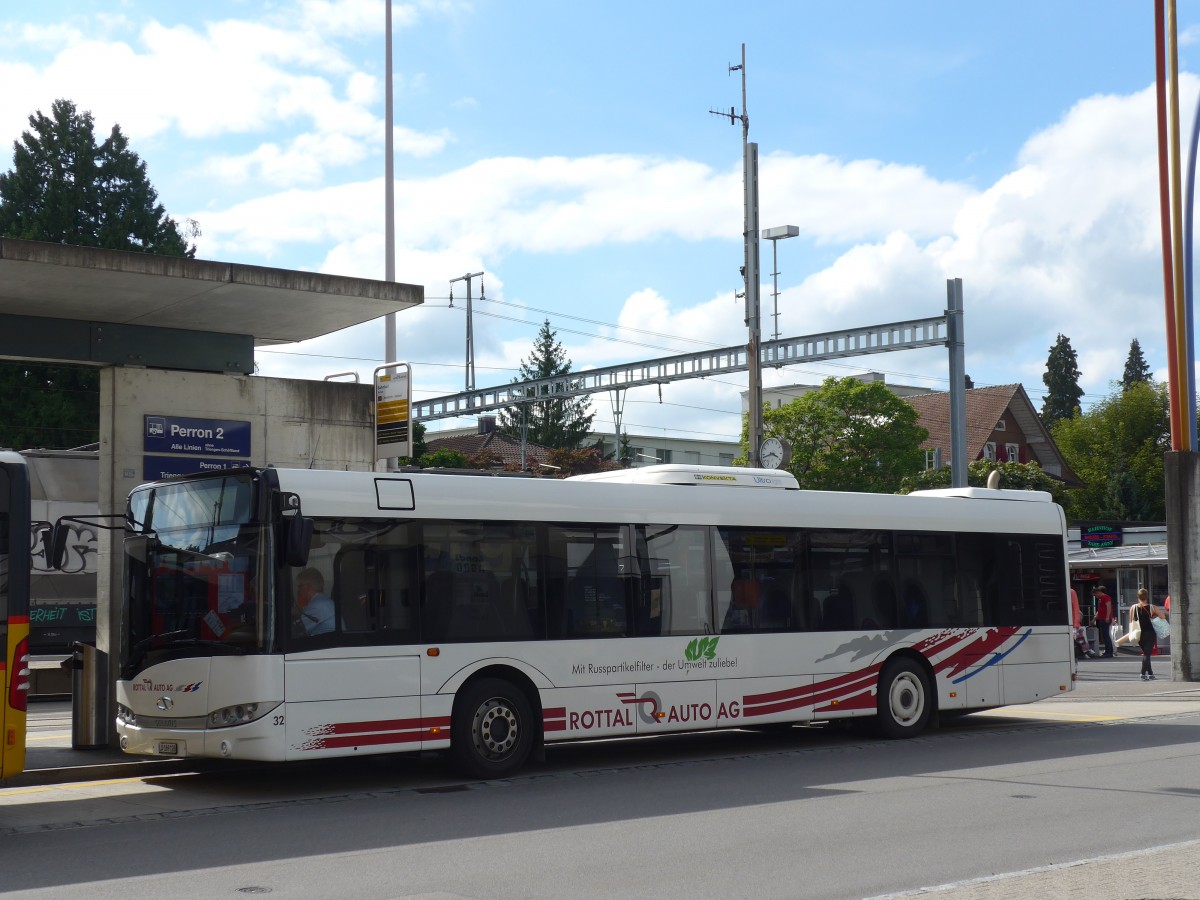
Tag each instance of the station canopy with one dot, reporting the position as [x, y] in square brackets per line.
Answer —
[108, 307]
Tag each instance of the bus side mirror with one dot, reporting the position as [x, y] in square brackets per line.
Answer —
[297, 540]
[45, 541]
[57, 551]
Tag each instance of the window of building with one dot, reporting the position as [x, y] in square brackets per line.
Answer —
[989, 450]
[1013, 452]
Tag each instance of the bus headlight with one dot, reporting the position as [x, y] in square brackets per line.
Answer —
[125, 715]
[240, 714]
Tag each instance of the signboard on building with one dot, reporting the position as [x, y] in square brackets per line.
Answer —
[1099, 536]
[204, 437]
[393, 404]
[155, 468]
[177, 445]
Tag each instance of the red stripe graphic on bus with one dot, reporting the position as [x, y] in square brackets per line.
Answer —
[554, 719]
[386, 731]
[856, 690]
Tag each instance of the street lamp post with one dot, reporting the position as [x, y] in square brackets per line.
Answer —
[775, 235]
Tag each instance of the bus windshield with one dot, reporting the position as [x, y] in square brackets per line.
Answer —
[196, 582]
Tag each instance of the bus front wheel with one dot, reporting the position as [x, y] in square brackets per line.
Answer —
[905, 703]
[491, 731]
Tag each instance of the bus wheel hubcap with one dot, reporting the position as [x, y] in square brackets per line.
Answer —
[907, 700]
[495, 728]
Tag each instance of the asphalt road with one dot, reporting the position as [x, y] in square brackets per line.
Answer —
[1095, 793]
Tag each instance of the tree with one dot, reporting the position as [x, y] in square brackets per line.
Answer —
[1137, 371]
[1062, 383]
[583, 461]
[1014, 476]
[1117, 449]
[444, 459]
[848, 436]
[562, 423]
[66, 188]
[55, 407]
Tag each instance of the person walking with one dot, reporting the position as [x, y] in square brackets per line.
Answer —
[1146, 614]
[1083, 650]
[1104, 619]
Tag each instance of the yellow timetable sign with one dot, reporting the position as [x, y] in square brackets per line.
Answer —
[393, 403]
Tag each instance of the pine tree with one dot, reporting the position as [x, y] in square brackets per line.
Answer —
[1062, 383]
[1136, 368]
[67, 189]
[560, 424]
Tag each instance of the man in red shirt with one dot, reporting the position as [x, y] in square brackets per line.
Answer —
[1105, 613]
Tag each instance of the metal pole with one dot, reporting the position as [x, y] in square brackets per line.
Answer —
[775, 287]
[389, 191]
[470, 363]
[389, 204]
[958, 383]
[754, 360]
[470, 367]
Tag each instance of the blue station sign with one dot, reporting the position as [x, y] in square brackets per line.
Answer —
[155, 468]
[205, 437]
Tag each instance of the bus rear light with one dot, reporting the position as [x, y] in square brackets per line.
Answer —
[18, 688]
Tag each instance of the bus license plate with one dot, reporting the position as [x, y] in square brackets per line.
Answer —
[168, 748]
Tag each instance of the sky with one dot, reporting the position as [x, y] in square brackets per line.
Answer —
[569, 152]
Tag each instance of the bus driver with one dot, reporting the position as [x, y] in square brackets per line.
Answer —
[314, 607]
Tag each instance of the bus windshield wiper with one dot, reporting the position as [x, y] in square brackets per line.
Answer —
[181, 638]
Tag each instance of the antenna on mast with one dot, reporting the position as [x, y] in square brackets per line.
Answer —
[750, 267]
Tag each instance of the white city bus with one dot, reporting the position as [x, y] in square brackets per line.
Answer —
[490, 615]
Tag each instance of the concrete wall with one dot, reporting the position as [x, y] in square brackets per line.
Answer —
[293, 424]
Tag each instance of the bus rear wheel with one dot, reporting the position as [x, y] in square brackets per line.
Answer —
[491, 730]
[904, 702]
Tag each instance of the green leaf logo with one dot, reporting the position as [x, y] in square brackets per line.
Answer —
[701, 648]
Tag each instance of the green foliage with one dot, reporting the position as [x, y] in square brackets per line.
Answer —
[54, 407]
[67, 189]
[419, 447]
[1117, 448]
[1014, 476]
[1137, 370]
[848, 436]
[552, 423]
[1062, 383]
[583, 461]
[443, 459]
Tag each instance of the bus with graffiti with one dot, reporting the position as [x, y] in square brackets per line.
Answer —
[280, 614]
[14, 611]
[63, 601]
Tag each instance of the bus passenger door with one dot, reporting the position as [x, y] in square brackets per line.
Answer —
[675, 706]
[343, 701]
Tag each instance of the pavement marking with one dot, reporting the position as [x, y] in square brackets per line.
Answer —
[1037, 870]
[72, 785]
[1025, 713]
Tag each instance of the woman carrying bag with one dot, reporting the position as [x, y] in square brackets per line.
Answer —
[1142, 618]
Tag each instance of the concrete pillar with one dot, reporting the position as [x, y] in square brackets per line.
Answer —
[1182, 477]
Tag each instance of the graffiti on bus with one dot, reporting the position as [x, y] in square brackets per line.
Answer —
[80, 558]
